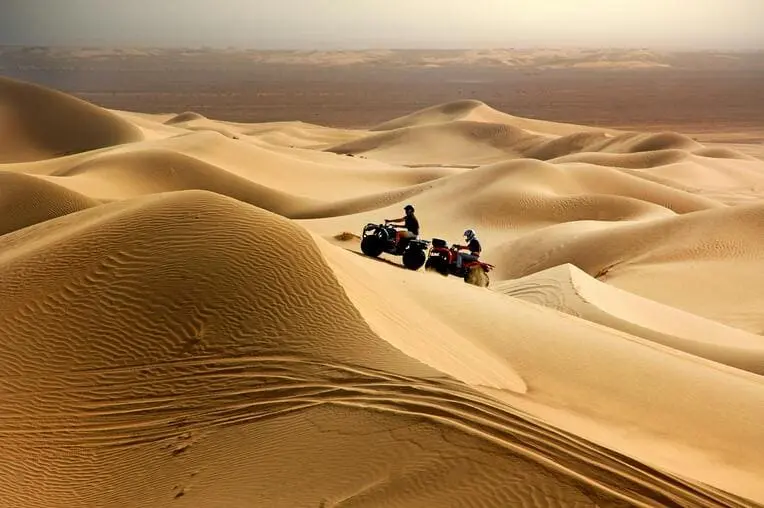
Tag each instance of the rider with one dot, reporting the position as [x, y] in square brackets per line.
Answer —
[411, 223]
[473, 245]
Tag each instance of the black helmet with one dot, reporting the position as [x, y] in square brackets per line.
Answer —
[408, 208]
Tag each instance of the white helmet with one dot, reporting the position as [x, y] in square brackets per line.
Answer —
[469, 234]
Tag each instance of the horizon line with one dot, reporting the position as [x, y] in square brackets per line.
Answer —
[208, 47]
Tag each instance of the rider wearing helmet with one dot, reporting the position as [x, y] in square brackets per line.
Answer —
[473, 245]
[410, 221]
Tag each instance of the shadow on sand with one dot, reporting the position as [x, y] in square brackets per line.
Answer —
[379, 259]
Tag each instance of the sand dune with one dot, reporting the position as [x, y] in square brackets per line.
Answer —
[509, 199]
[38, 123]
[441, 137]
[296, 134]
[26, 200]
[631, 142]
[187, 320]
[570, 290]
[185, 117]
[706, 262]
[478, 111]
[615, 389]
[457, 142]
[131, 389]
[265, 177]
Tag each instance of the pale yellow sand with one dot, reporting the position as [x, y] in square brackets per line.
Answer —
[184, 323]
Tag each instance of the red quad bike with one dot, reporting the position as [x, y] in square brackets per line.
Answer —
[442, 259]
[379, 238]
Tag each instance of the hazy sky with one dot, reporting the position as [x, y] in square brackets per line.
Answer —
[350, 24]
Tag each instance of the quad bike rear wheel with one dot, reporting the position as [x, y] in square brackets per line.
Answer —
[413, 259]
[477, 277]
[371, 246]
[438, 264]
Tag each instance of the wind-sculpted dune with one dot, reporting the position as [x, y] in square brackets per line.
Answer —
[38, 123]
[187, 318]
[570, 290]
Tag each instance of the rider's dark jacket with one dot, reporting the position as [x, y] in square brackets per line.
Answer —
[474, 247]
[411, 223]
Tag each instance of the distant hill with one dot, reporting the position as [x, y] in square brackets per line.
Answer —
[538, 59]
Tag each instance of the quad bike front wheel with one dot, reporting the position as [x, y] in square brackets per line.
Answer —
[371, 246]
[413, 259]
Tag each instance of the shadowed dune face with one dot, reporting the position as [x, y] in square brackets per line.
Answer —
[182, 322]
[187, 116]
[26, 200]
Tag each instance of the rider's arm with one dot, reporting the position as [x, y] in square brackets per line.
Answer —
[396, 220]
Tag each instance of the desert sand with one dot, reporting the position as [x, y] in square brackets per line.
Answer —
[187, 320]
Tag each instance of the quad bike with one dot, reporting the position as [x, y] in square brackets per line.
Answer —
[379, 238]
[442, 259]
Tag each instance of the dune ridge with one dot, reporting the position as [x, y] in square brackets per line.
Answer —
[186, 318]
[491, 136]
[479, 111]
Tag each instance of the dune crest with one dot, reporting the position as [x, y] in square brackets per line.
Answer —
[187, 319]
[479, 111]
[186, 116]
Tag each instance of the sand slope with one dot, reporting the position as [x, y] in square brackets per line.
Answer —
[184, 322]
[616, 389]
[570, 290]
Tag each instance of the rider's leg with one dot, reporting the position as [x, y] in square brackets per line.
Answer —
[465, 257]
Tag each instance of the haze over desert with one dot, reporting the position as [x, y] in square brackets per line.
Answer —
[188, 317]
